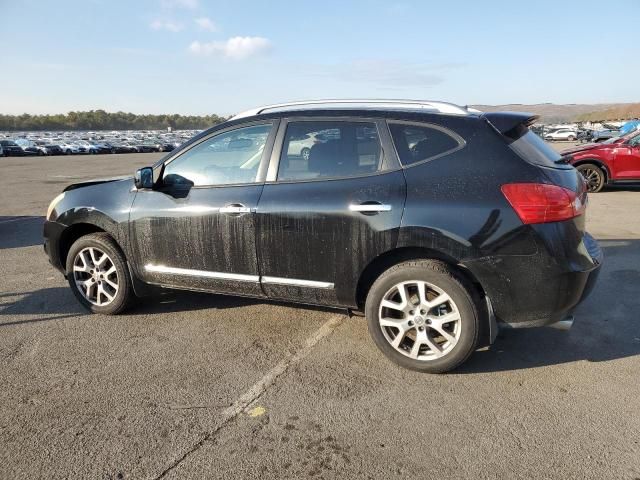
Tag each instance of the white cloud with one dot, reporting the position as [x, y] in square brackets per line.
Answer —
[236, 48]
[205, 23]
[166, 25]
[189, 4]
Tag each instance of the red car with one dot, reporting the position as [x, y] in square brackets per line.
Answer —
[613, 161]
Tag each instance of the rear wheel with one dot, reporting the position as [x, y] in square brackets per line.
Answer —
[423, 317]
[98, 275]
[593, 175]
[571, 138]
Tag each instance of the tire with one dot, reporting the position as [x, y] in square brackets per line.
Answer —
[440, 282]
[571, 138]
[305, 152]
[83, 254]
[593, 175]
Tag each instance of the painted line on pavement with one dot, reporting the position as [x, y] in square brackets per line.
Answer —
[261, 386]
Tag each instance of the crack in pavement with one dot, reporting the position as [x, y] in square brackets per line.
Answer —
[258, 389]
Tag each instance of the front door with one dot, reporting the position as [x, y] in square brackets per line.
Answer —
[627, 159]
[196, 228]
[333, 202]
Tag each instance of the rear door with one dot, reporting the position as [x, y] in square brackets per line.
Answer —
[324, 214]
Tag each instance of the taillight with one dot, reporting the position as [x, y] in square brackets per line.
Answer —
[542, 203]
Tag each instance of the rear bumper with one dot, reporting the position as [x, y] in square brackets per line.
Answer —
[540, 289]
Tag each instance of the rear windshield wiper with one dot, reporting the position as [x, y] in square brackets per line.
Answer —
[561, 161]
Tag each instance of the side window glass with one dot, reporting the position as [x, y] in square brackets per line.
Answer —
[228, 158]
[327, 149]
[418, 143]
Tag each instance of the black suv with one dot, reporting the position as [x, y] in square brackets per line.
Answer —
[435, 220]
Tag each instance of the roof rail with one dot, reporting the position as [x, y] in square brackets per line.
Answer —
[440, 107]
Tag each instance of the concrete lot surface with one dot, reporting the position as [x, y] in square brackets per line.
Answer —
[205, 386]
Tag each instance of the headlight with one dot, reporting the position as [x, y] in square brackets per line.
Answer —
[53, 204]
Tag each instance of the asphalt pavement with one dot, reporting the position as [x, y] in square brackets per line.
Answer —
[208, 386]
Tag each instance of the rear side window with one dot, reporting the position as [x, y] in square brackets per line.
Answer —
[326, 149]
[417, 143]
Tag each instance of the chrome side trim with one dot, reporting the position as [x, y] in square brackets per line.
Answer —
[370, 207]
[201, 273]
[296, 282]
[236, 276]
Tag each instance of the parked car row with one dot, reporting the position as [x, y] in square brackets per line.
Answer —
[74, 143]
[586, 133]
[580, 134]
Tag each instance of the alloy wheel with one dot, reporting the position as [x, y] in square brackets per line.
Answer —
[419, 320]
[592, 177]
[95, 276]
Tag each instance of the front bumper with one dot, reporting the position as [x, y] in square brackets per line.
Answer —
[52, 232]
[541, 289]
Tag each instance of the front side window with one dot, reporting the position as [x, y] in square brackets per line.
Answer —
[228, 158]
[416, 143]
[329, 149]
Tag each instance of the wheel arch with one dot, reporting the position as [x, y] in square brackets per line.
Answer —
[402, 254]
[73, 233]
[599, 163]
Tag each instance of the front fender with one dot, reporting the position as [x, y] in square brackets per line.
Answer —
[104, 206]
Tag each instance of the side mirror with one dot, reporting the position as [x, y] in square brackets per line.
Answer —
[143, 178]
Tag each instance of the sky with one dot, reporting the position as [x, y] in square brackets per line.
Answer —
[224, 56]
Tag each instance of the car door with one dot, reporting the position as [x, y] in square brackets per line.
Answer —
[627, 159]
[324, 216]
[196, 228]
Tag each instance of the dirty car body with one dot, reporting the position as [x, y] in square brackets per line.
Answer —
[389, 186]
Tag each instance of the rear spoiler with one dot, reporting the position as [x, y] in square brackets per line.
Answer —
[505, 122]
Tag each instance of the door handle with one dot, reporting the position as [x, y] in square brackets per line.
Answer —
[370, 207]
[235, 209]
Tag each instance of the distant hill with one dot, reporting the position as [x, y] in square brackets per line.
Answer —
[552, 113]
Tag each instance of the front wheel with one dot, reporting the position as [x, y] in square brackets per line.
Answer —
[423, 317]
[98, 275]
[593, 176]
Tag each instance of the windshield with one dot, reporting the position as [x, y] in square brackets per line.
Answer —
[623, 138]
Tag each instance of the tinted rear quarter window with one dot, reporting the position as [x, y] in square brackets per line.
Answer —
[419, 143]
[533, 149]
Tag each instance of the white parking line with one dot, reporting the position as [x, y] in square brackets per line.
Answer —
[261, 385]
[265, 382]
